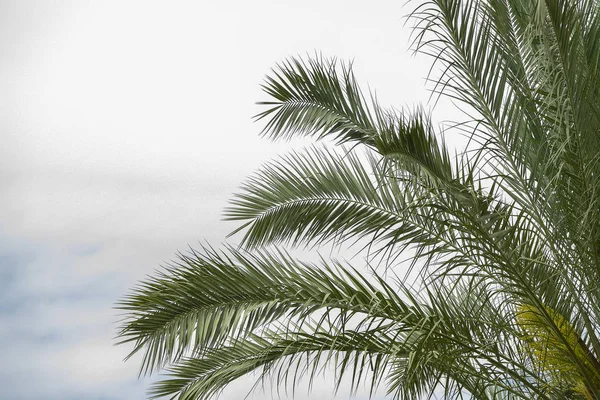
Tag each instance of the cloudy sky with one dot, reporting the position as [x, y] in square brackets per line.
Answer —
[126, 126]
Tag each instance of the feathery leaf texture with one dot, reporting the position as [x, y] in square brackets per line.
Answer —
[494, 253]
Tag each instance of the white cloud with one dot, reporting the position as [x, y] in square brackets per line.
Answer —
[127, 127]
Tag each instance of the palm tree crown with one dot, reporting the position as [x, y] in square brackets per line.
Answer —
[502, 295]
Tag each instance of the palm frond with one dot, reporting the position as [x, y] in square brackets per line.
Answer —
[209, 298]
[504, 239]
[316, 98]
[285, 357]
[319, 195]
[322, 98]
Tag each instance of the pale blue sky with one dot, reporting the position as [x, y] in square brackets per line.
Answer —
[126, 126]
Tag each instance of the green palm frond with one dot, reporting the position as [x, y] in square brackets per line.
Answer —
[411, 141]
[316, 98]
[322, 98]
[286, 357]
[528, 127]
[271, 312]
[211, 298]
[319, 195]
[500, 246]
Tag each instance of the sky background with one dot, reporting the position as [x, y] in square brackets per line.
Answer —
[126, 127]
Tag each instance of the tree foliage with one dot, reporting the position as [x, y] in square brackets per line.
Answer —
[503, 239]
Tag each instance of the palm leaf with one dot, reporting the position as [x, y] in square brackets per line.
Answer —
[502, 243]
[210, 298]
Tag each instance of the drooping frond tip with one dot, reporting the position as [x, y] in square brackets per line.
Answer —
[317, 98]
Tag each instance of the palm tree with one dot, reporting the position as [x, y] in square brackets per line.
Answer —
[500, 244]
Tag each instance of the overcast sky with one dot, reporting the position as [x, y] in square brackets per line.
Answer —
[126, 126]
